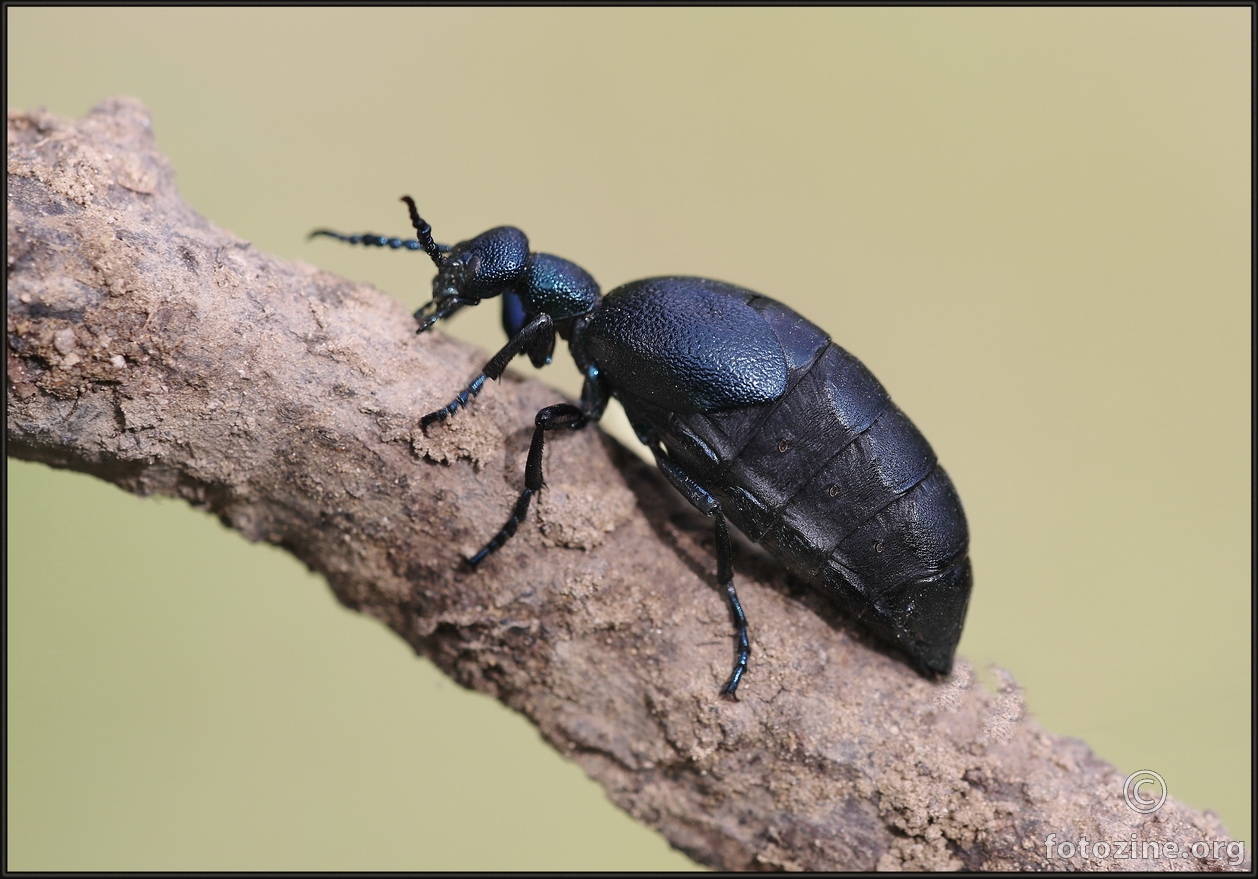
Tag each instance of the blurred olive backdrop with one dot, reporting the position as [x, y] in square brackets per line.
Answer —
[1032, 224]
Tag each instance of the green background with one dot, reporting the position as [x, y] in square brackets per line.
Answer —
[1032, 224]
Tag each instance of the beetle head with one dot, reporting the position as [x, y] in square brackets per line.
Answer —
[487, 265]
[498, 263]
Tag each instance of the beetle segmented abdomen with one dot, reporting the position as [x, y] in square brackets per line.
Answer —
[837, 482]
[817, 426]
[857, 485]
[923, 616]
[917, 535]
[829, 401]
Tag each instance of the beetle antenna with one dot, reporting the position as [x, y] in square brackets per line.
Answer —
[370, 239]
[423, 232]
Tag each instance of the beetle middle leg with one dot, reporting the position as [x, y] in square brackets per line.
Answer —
[557, 417]
[710, 506]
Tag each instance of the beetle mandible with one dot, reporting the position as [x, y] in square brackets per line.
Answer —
[750, 411]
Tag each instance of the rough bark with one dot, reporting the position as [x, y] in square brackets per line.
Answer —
[150, 348]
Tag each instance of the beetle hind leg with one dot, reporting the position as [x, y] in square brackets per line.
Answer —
[710, 506]
[725, 573]
[557, 417]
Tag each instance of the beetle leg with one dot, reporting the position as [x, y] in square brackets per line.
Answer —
[532, 333]
[725, 573]
[554, 417]
[594, 394]
[710, 506]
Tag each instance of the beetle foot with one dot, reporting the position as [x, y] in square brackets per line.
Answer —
[461, 401]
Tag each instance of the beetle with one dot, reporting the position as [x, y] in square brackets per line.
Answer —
[749, 410]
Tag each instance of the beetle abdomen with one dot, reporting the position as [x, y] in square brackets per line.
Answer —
[835, 481]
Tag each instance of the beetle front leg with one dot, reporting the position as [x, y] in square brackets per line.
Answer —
[557, 417]
[710, 506]
[533, 333]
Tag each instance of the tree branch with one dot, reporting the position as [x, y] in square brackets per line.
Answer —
[152, 349]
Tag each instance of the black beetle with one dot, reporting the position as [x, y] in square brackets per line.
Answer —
[751, 412]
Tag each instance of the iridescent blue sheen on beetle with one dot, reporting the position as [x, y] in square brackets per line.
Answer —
[750, 411]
